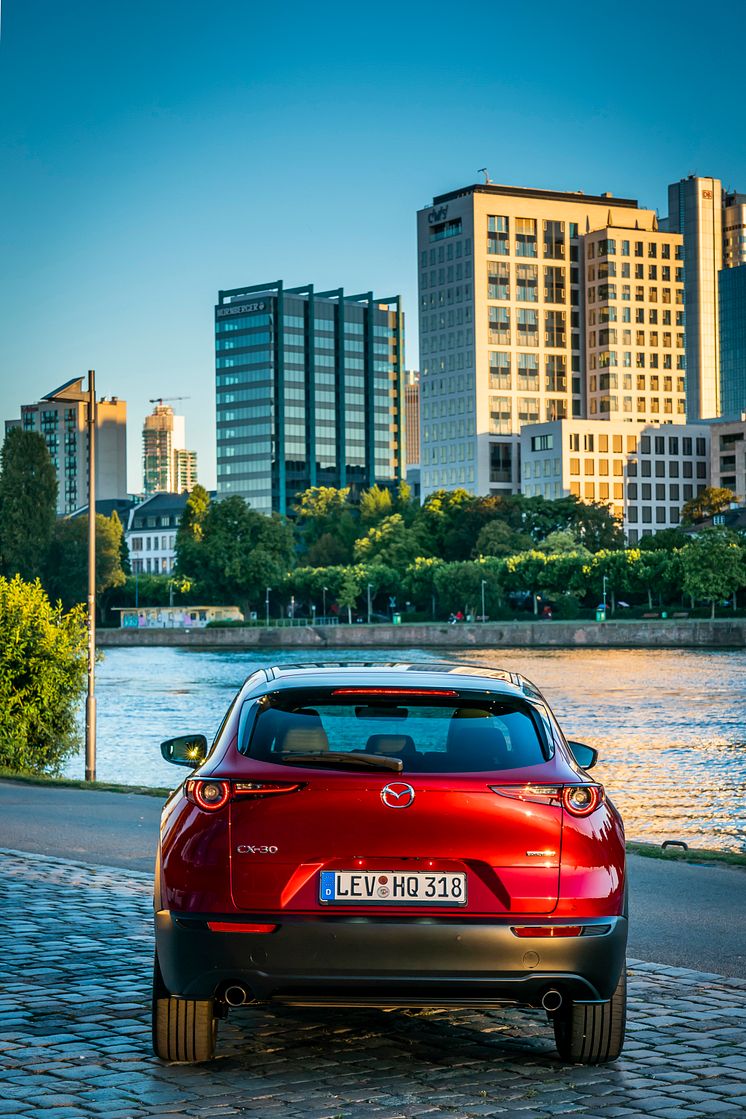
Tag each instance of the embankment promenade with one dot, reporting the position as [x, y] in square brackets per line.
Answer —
[656, 634]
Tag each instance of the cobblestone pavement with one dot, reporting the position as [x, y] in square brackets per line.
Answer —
[75, 967]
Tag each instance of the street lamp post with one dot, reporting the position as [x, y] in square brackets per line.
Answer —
[266, 605]
[484, 583]
[323, 592]
[370, 587]
[72, 392]
[605, 578]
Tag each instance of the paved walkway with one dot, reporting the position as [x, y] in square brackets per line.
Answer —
[75, 964]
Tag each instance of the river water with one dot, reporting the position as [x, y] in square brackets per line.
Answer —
[670, 725]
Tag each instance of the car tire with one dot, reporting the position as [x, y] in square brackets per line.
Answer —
[184, 1030]
[587, 1034]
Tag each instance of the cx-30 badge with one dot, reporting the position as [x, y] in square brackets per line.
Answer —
[397, 795]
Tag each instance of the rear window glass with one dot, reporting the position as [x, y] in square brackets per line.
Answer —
[442, 738]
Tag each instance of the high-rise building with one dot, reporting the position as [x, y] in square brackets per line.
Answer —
[512, 314]
[734, 230]
[644, 472]
[695, 209]
[64, 427]
[733, 342]
[167, 466]
[412, 417]
[309, 392]
[728, 456]
[634, 297]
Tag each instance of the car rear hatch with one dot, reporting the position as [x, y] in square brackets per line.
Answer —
[393, 827]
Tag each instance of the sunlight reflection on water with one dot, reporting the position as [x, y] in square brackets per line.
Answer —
[670, 725]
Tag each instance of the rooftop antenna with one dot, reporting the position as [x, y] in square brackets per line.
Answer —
[484, 171]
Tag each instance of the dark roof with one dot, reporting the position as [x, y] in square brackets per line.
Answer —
[107, 506]
[533, 192]
[730, 518]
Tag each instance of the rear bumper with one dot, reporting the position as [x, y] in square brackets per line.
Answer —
[382, 962]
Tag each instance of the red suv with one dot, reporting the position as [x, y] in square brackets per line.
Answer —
[396, 835]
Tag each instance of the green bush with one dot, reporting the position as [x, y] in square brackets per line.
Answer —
[42, 672]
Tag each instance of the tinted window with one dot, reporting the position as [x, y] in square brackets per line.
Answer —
[447, 738]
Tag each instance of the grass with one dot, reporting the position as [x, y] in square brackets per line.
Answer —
[693, 855]
[68, 783]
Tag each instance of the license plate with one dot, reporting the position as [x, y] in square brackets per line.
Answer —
[391, 887]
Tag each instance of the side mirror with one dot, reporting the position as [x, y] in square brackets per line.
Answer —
[188, 749]
[585, 756]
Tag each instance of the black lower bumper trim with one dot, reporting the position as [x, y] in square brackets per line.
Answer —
[362, 961]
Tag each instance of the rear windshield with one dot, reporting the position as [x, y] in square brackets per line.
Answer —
[445, 738]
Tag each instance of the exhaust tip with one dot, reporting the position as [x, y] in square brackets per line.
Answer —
[551, 1000]
[236, 995]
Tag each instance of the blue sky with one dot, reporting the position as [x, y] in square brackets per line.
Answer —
[153, 152]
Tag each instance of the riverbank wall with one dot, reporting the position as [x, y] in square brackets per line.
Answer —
[657, 634]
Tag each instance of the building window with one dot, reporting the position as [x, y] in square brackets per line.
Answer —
[554, 240]
[498, 236]
[525, 237]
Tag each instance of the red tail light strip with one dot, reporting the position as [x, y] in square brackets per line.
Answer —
[235, 927]
[212, 795]
[264, 788]
[395, 691]
[547, 930]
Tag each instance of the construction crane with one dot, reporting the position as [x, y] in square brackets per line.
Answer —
[160, 399]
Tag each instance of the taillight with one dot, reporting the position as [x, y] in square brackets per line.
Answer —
[581, 800]
[546, 930]
[264, 788]
[208, 795]
[537, 794]
[239, 927]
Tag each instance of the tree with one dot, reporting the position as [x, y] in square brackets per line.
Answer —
[656, 573]
[67, 567]
[190, 534]
[242, 552]
[348, 592]
[323, 511]
[43, 661]
[665, 539]
[124, 552]
[561, 542]
[419, 581]
[713, 566]
[712, 500]
[375, 505]
[497, 538]
[28, 503]
[390, 543]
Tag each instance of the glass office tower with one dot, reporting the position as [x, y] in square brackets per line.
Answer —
[309, 392]
[733, 341]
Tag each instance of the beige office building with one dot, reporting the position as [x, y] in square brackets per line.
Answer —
[505, 331]
[412, 417]
[643, 472]
[64, 427]
[167, 466]
[635, 315]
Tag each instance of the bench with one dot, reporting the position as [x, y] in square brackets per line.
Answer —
[651, 615]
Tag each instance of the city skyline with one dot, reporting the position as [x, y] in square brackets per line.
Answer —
[120, 222]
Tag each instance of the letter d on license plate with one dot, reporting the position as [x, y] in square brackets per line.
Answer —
[391, 887]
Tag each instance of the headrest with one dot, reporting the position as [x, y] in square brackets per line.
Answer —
[303, 732]
[401, 745]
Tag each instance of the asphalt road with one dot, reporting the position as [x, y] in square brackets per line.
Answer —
[681, 914]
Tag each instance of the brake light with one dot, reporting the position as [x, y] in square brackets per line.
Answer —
[547, 930]
[578, 800]
[395, 691]
[264, 788]
[536, 794]
[208, 795]
[236, 927]
[581, 800]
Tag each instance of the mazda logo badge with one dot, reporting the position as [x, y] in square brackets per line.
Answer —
[397, 795]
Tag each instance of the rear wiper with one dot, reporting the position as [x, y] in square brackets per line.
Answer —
[345, 757]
